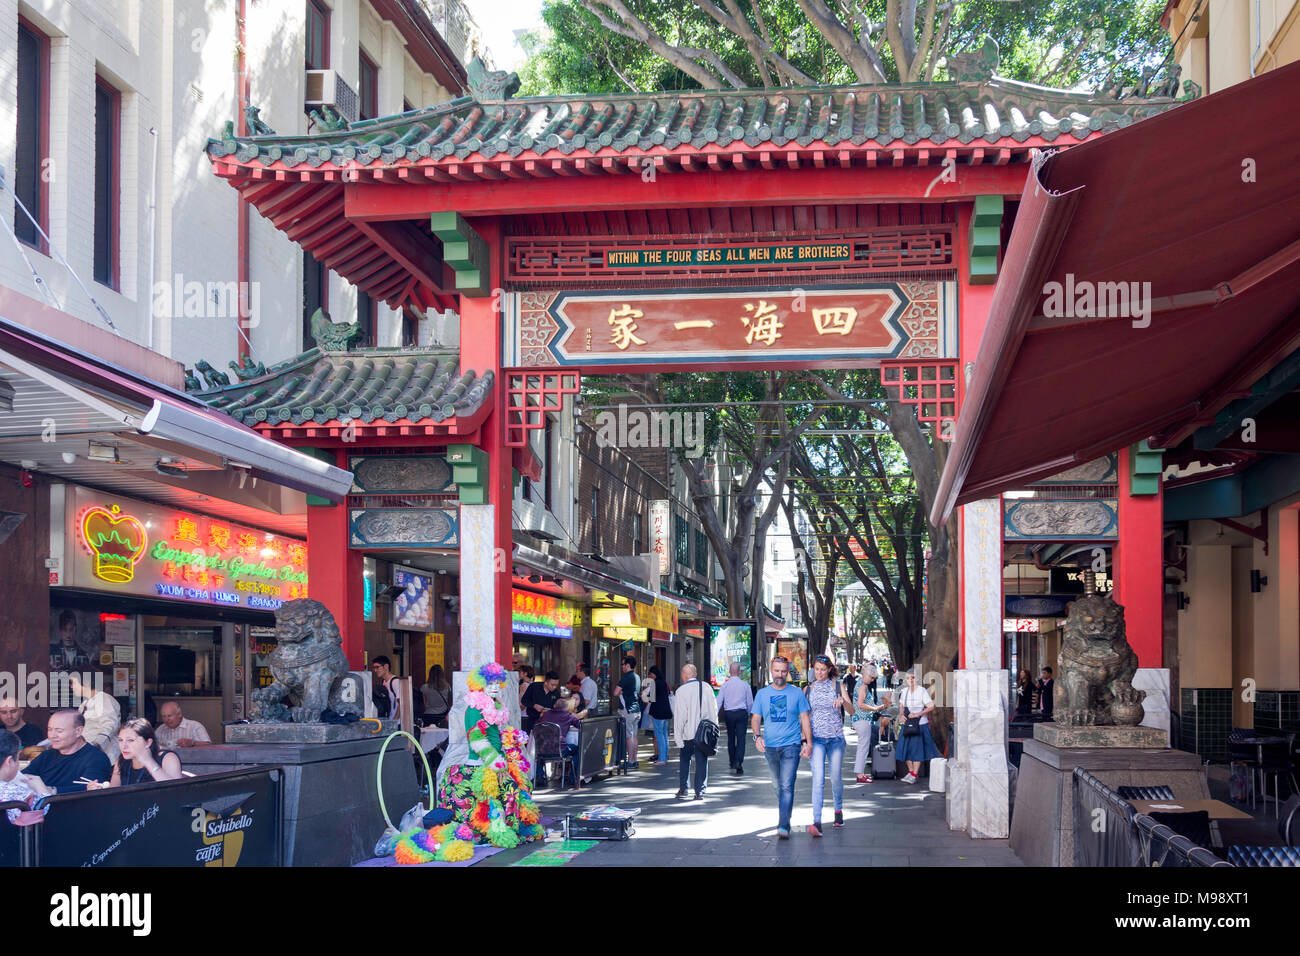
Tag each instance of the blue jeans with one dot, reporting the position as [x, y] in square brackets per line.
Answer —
[661, 738]
[823, 747]
[783, 764]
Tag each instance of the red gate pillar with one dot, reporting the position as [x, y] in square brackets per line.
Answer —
[335, 572]
[1138, 565]
[487, 605]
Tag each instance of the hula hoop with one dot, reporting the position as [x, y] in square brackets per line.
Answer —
[379, 773]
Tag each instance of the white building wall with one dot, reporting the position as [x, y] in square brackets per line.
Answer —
[172, 61]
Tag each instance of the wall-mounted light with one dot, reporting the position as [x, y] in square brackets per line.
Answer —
[1183, 601]
[1257, 580]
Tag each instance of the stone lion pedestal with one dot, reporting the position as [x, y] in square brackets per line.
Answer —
[331, 808]
[1101, 696]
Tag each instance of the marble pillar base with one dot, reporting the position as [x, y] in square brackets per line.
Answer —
[1069, 738]
[1042, 827]
[978, 790]
[1155, 706]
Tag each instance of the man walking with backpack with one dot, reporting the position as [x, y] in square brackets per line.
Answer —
[695, 703]
[786, 735]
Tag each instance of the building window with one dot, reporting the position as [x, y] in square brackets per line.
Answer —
[701, 552]
[369, 93]
[318, 36]
[526, 487]
[595, 520]
[410, 328]
[33, 133]
[108, 131]
[636, 533]
[315, 295]
[683, 551]
[366, 318]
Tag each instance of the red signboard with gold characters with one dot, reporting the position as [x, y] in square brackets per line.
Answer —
[640, 329]
[132, 547]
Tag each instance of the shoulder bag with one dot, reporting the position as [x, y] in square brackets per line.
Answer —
[706, 732]
[911, 725]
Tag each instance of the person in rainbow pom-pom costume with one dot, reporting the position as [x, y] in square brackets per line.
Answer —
[491, 801]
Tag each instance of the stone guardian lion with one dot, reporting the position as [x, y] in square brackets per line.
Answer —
[309, 667]
[1094, 685]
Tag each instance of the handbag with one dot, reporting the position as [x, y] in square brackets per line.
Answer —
[706, 732]
[911, 725]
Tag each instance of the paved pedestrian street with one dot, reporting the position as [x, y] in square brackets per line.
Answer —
[886, 823]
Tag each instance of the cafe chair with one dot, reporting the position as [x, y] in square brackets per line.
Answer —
[1247, 755]
[1195, 826]
[1277, 763]
[549, 744]
[1263, 855]
[1158, 792]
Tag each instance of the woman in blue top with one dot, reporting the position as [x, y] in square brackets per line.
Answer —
[828, 700]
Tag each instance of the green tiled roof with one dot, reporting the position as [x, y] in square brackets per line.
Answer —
[368, 385]
[948, 114]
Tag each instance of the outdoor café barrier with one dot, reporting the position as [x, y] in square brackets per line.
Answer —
[221, 819]
[1104, 833]
[1108, 831]
[14, 843]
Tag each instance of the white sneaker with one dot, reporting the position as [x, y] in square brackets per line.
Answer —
[910, 778]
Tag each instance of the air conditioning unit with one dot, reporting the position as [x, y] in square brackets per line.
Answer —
[327, 88]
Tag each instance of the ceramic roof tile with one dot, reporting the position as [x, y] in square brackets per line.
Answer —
[369, 385]
[995, 110]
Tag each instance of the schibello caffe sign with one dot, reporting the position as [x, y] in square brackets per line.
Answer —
[131, 547]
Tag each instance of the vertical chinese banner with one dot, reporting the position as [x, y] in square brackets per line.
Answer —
[659, 533]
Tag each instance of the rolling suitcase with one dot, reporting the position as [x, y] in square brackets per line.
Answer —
[883, 766]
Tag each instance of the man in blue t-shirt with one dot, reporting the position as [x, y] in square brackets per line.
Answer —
[782, 710]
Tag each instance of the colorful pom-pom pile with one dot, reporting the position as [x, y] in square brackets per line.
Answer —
[490, 799]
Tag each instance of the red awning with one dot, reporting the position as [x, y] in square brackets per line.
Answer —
[1203, 203]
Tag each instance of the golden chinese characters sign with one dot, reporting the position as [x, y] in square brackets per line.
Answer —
[641, 330]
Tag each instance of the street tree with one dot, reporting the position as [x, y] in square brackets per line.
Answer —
[597, 46]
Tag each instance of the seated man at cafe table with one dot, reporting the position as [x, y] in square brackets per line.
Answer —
[177, 730]
[565, 714]
[11, 717]
[70, 762]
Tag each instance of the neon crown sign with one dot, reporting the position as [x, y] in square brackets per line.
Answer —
[116, 540]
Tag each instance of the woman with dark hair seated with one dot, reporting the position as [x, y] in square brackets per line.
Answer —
[141, 760]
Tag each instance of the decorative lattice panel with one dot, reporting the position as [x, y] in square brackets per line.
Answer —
[932, 388]
[530, 396]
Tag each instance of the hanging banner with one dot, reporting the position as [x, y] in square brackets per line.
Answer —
[659, 525]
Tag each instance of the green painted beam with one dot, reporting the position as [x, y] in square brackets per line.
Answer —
[984, 242]
[1283, 379]
[469, 470]
[464, 250]
[1146, 464]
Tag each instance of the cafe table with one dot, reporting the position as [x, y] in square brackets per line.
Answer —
[1217, 809]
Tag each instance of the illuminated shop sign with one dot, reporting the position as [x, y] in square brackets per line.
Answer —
[542, 615]
[131, 547]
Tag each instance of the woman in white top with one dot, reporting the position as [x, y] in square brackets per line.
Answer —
[918, 747]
